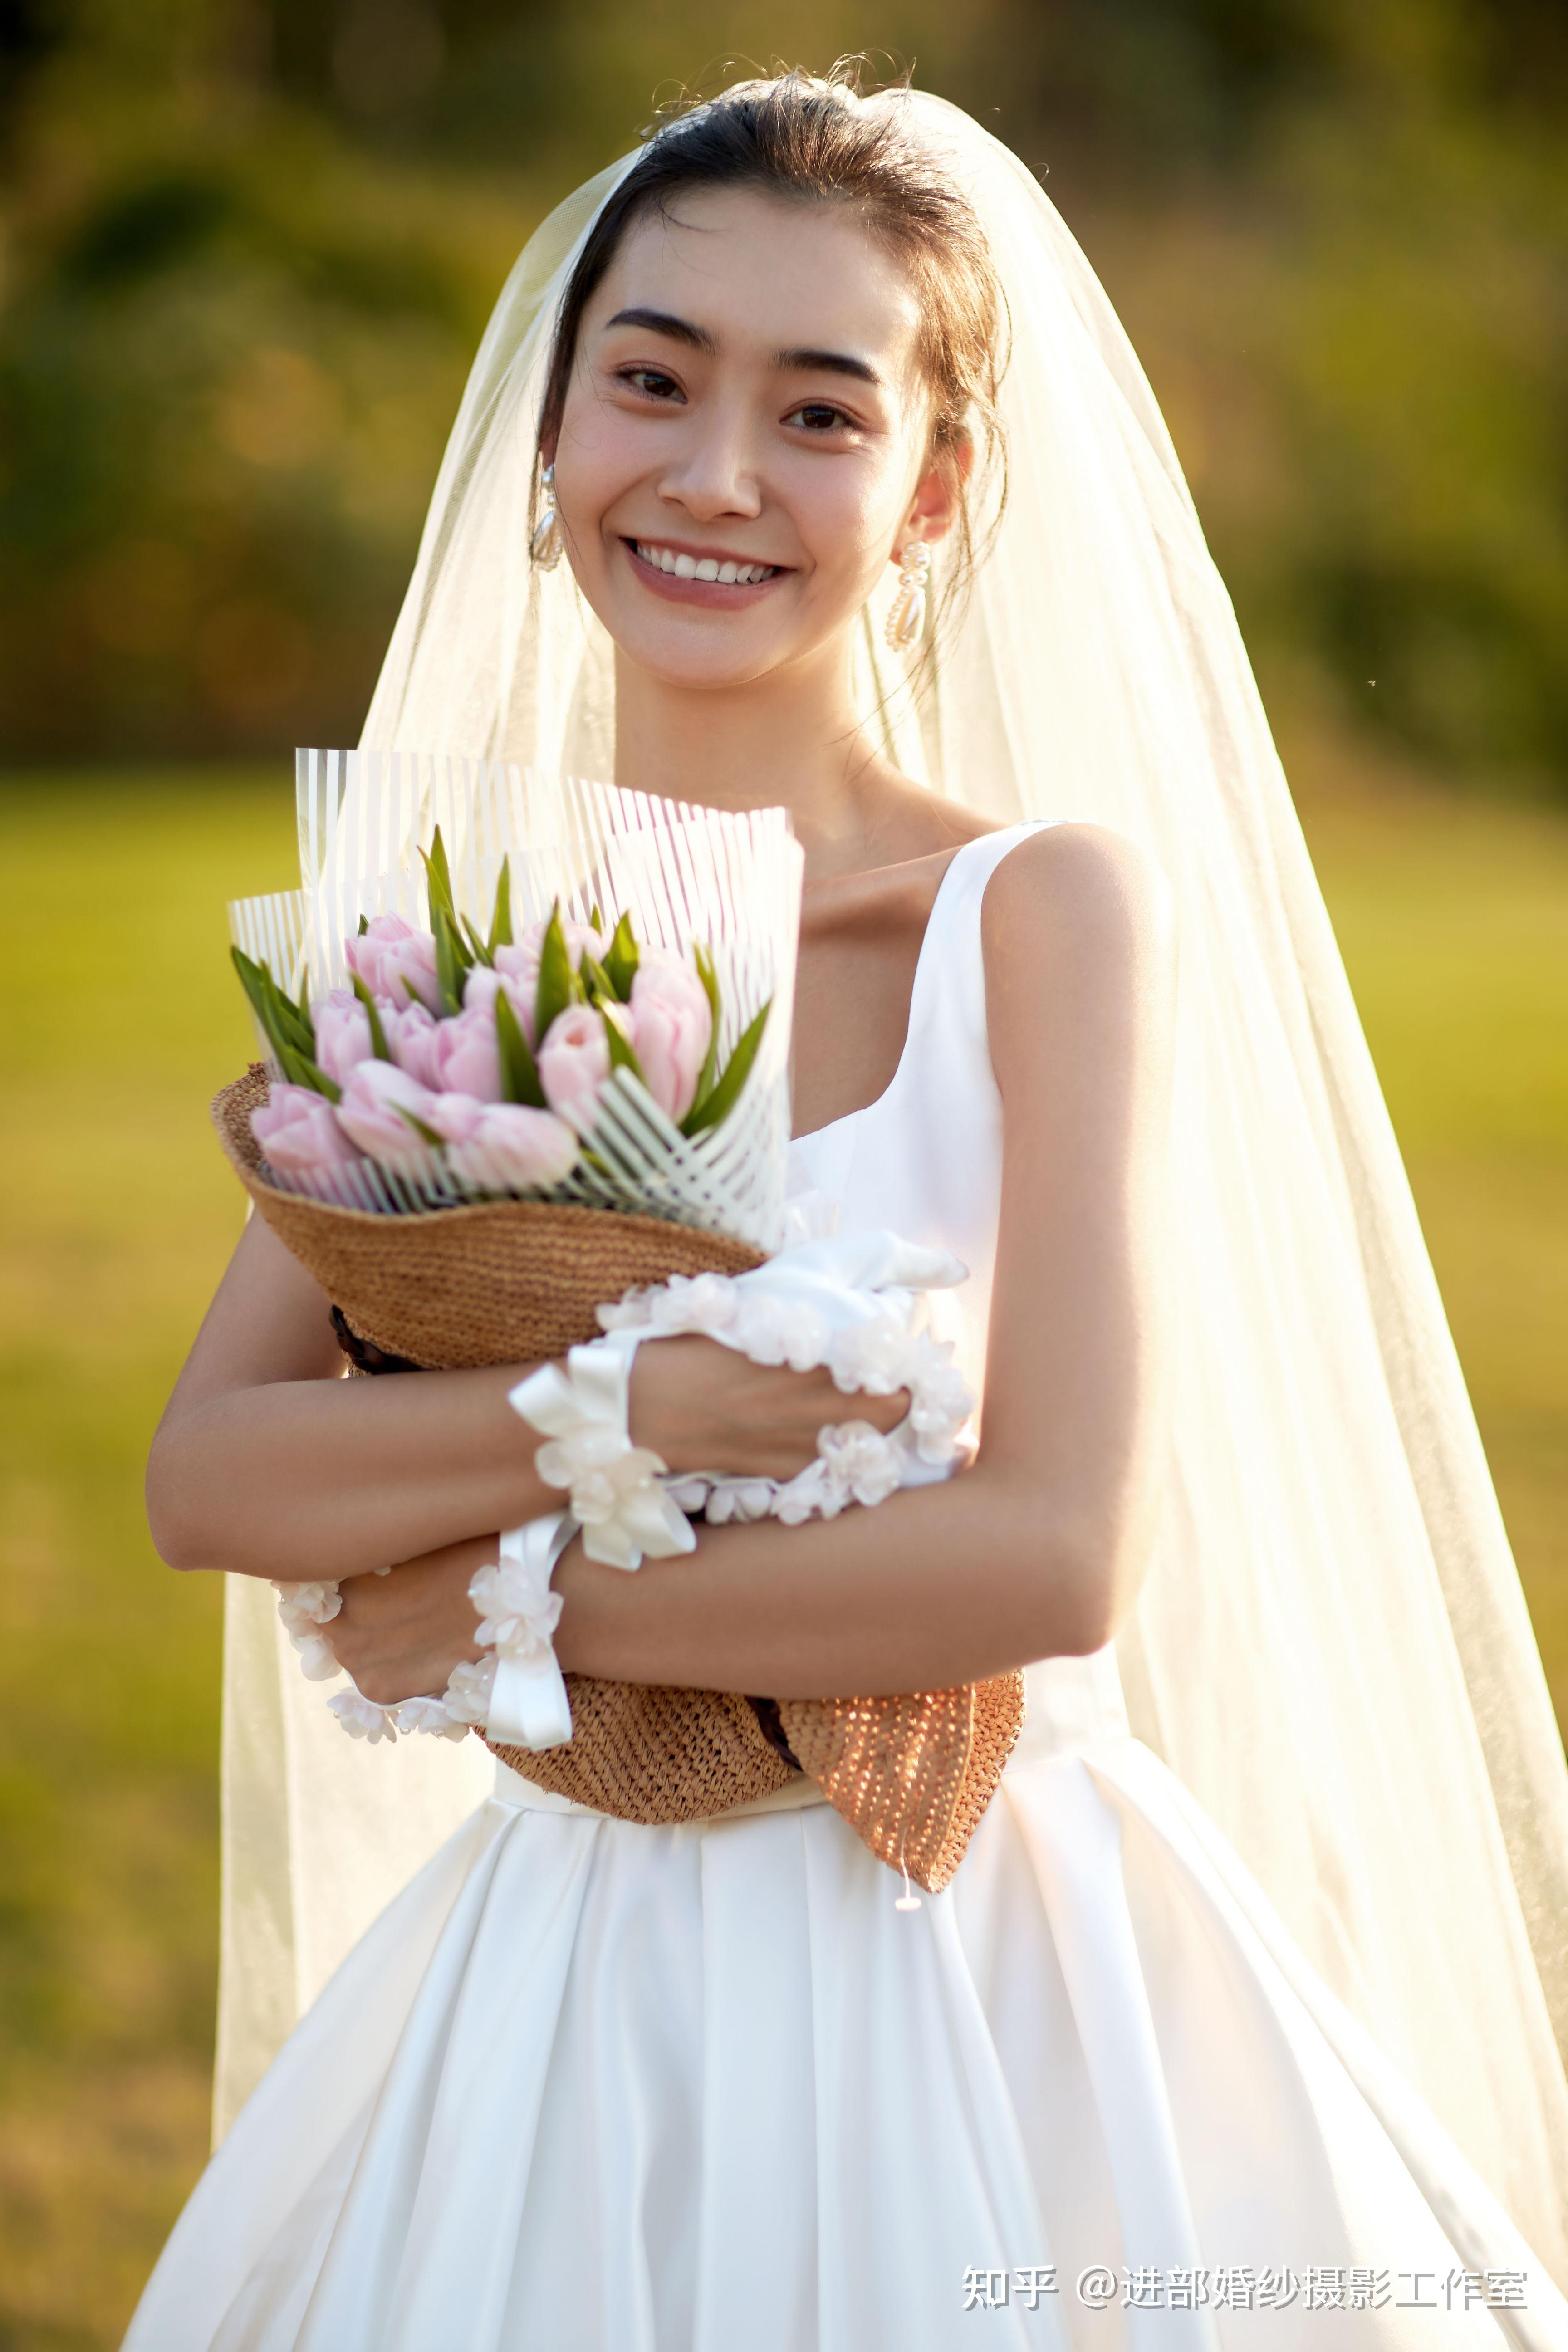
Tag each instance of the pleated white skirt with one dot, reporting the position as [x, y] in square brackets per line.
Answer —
[591, 2087]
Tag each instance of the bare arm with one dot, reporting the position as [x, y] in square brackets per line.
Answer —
[269, 1463]
[1038, 1549]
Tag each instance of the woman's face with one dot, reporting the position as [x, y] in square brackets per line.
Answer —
[743, 440]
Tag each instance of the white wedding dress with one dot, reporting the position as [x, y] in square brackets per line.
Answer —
[591, 2088]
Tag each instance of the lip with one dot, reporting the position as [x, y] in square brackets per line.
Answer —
[717, 595]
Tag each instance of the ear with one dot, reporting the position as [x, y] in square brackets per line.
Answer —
[933, 512]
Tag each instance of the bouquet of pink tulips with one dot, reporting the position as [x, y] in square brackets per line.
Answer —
[480, 1143]
[462, 1065]
[481, 1139]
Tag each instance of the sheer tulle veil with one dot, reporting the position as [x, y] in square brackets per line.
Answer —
[1331, 1650]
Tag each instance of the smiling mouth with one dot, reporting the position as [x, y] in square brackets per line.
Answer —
[722, 570]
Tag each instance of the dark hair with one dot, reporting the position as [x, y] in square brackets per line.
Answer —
[811, 141]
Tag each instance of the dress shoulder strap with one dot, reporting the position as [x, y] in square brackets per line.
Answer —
[948, 1003]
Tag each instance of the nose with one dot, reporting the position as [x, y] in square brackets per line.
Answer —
[713, 472]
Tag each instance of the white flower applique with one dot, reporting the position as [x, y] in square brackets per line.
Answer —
[304, 1609]
[518, 1610]
[362, 1718]
[876, 1355]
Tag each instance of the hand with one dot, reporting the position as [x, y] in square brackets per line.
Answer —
[701, 1406]
[401, 1635]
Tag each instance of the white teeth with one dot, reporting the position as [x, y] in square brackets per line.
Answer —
[707, 567]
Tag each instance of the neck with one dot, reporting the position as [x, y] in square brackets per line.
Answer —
[791, 740]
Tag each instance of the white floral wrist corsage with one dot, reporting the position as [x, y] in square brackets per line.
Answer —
[616, 1498]
[516, 1692]
[868, 1340]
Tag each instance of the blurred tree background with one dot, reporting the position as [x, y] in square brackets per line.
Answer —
[249, 246]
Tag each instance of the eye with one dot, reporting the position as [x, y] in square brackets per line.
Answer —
[652, 383]
[820, 416]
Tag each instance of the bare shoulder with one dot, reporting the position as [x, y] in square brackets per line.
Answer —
[1079, 947]
[1076, 889]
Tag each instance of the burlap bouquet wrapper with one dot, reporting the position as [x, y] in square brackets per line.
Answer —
[520, 1282]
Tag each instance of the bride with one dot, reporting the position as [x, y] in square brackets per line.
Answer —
[1236, 2023]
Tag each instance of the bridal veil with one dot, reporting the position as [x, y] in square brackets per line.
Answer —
[1331, 1649]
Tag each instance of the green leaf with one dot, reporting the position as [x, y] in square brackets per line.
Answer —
[622, 1057]
[709, 976]
[300, 1071]
[378, 1044]
[418, 1126]
[501, 920]
[451, 962]
[363, 926]
[296, 1026]
[255, 980]
[710, 1109]
[596, 980]
[519, 1073]
[558, 983]
[300, 1034]
[621, 960]
[310, 1076]
[438, 878]
[280, 1020]
[289, 1031]
[481, 953]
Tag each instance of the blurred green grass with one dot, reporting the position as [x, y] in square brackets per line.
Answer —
[119, 1019]
[1453, 917]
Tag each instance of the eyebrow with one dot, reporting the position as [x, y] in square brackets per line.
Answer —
[665, 322]
[828, 364]
[698, 339]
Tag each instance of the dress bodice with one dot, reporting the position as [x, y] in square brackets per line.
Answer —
[925, 1160]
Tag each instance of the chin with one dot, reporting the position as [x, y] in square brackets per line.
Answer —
[696, 663]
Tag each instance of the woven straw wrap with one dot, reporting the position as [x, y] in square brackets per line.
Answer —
[521, 1282]
[506, 1282]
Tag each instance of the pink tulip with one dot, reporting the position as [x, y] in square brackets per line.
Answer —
[396, 962]
[672, 1025]
[483, 986]
[519, 965]
[411, 1039]
[299, 1133]
[375, 1099]
[456, 1117]
[577, 935]
[515, 1150]
[465, 1056]
[574, 1063]
[342, 1034]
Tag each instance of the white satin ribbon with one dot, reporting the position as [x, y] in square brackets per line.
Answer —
[528, 1703]
[616, 1499]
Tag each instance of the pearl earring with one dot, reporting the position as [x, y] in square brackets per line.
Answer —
[548, 543]
[907, 619]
